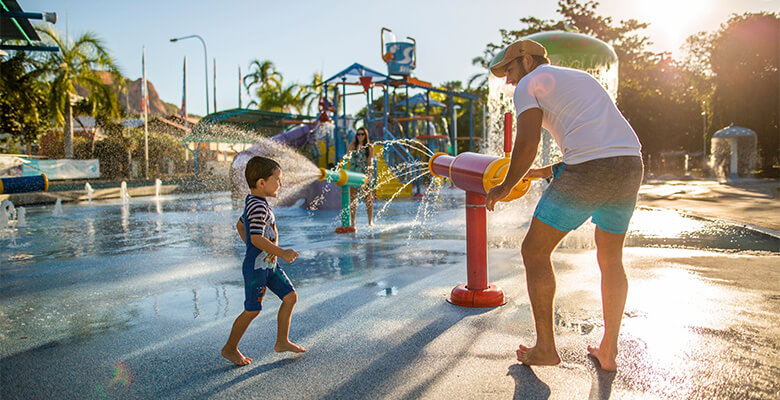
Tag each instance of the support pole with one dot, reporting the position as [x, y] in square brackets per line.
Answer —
[477, 292]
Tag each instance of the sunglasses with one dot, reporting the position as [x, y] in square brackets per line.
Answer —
[361, 134]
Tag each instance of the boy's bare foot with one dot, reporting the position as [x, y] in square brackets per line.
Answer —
[607, 361]
[535, 356]
[236, 357]
[281, 347]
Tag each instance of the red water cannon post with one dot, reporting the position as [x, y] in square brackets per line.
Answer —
[477, 174]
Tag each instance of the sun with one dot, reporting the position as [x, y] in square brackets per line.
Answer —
[672, 21]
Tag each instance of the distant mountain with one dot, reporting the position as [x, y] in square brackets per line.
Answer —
[133, 96]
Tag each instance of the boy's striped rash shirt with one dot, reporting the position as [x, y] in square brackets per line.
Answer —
[261, 218]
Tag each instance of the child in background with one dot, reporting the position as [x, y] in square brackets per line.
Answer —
[257, 228]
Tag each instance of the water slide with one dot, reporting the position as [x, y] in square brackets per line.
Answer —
[321, 195]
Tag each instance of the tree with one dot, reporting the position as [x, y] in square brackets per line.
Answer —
[76, 64]
[23, 112]
[746, 67]
[271, 93]
[653, 93]
[310, 94]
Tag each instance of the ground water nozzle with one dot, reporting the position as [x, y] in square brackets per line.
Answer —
[342, 177]
[346, 179]
[477, 174]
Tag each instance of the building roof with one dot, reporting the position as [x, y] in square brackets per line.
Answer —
[240, 125]
[18, 27]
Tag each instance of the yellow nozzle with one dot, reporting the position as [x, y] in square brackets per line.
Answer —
[496, 172]
[430, 164]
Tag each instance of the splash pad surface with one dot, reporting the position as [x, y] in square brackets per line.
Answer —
[136, 300]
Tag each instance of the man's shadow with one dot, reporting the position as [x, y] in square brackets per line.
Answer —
[527, 384]
[601, 384]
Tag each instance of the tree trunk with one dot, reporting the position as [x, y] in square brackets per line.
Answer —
[94, 139]
[67, 136]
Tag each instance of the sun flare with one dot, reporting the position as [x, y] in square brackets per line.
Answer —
[673, 18]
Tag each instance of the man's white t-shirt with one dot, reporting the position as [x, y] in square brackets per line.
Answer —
[578, 112]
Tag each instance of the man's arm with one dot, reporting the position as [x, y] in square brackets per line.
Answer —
[529, 133]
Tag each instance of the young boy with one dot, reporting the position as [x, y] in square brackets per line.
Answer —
[257, 227]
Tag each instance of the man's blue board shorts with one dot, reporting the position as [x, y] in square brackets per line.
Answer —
[604, 189]
[257, 280]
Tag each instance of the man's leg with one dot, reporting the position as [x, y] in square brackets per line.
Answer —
[614, 288]
[538, 245]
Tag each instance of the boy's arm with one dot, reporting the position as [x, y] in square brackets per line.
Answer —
[240, 229]
[262, 243]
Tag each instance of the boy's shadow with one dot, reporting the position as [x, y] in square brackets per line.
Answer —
[527, 384]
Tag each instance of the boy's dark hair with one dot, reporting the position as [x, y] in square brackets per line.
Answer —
[259, 168]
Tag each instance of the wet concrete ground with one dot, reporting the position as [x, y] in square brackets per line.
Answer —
[129, 322]
[697, 325]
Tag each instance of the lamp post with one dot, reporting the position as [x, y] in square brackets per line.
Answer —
[704, 141]
[206, 73]
[205, 63]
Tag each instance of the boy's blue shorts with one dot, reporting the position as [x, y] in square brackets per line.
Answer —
[605, 189]
[257, 280]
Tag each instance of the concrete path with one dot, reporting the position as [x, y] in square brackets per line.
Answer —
[754, 202]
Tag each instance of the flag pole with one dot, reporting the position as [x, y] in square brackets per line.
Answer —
[184, 105]
[145, 103]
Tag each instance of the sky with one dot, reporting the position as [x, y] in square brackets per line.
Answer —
[301, 37]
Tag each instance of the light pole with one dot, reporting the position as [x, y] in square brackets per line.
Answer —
[205, 63]
[206, 71]
[704, 141]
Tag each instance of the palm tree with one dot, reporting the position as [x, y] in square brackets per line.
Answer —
[75, 65]
[264, 75]
[310, 94]
[271, 93]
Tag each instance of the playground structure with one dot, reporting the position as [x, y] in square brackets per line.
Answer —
[395, 116]
[403, 122]
[477, 174]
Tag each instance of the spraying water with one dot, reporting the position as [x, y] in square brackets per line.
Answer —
[7, 211]
[21, 219]
[90, 191]
[157, 188]
[58, 207]
[123, 194]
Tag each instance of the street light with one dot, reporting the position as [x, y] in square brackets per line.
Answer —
[206, 71]
[205, 64]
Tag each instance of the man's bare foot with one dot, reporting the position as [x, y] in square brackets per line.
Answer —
[288, 346]
[236, 357]
[607, 361]
[535, 356]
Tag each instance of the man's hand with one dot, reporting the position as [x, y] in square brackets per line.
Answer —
[495, 195]
[289, 255]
